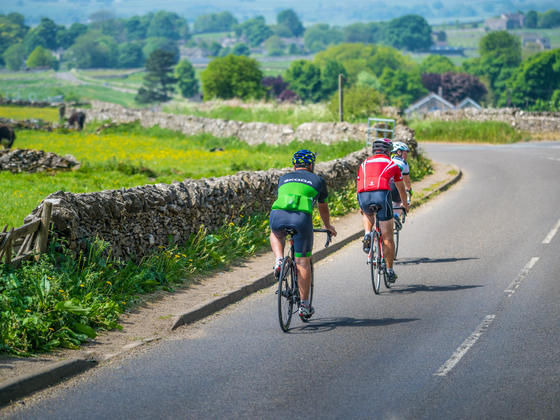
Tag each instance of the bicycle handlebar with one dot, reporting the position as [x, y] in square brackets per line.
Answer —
[329, 234]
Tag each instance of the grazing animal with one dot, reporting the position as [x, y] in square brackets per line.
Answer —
[61, 111]
[7, 133]
[77, 119]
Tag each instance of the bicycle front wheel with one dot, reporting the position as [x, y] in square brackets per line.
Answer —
[286, 294]
[375, 263]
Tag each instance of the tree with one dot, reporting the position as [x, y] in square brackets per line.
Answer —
[41, 57]
[455, 86]
[186, 79]
[241, 49]
[387, 57]
[214, 22]
[401, 87]
[367, 33]
[14, 56]
[289, 19]
[255, 30]
[66, 37]
[274, 46]
[136, 28]
[274, 85]
[232, 77]
[168, 25]
[536, 79]
[320, 36]
[304, 78]
[410, 32]
[130, 55]
[437, 64]
[93, 50]
[365, 78]
[329, 77]
[12, 31]
[44, 35]
[159, 80]
[359, 103]
[165, 44]
[549, 19]
[531, 19]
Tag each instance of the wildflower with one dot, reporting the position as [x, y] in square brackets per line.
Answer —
[27, 310]
[82, 285]
[61, 291]
[231, 224]
[123, 302]
[109, 283]
[51, 328]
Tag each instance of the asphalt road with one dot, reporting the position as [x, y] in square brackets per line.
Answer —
[471, 329]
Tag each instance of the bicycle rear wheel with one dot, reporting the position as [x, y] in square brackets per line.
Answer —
[375, 263]
[286, 294]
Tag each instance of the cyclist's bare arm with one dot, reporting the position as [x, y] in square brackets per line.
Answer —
[402, 193]
[326, 217]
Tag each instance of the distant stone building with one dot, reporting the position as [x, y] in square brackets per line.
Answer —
[542, 43]
[505, 21]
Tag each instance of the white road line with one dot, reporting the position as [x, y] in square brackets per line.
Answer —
[514, 285]
[465, 347]
[551, 234]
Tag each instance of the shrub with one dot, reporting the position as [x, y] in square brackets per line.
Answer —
[359, 103]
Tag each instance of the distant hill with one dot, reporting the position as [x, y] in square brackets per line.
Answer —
[327, 11]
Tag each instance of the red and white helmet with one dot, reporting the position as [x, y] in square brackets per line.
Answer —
[384, 145]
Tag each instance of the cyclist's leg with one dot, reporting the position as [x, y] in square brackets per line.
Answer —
[303, 246]
[396, 197]
[277, 222]
[386, 224]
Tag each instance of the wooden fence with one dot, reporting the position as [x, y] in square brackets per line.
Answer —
[29, 240]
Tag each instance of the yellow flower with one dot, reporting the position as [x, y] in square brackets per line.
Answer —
[109, 283]
[50, 328]
[61, 291]
[231, 224]
[123, 302]
[27, 310]
[82, 285]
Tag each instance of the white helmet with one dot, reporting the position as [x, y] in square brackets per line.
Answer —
[399, 145]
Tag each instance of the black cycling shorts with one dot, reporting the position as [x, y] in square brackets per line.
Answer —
[301, 222]
[381, 198]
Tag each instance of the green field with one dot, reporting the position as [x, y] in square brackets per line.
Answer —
[131, 155]
[467, 131]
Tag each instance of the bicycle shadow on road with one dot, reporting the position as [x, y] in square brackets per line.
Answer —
[425, 260]
[416, 288]
[320, 325]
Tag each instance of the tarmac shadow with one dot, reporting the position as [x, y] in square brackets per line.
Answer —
[319, 325]
[425, 260]
[416, 288]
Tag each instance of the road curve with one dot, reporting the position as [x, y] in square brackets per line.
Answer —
[470, 330]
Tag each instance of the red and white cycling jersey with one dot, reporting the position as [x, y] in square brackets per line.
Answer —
[376, 173]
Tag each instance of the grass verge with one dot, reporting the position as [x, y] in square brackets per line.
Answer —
[467, 131]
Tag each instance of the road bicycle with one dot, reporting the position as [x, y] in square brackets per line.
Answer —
[288, 290]
[397, 226]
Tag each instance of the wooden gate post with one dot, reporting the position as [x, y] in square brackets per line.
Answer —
[43, 236]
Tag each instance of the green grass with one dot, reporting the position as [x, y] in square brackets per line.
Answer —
[261, 112]
[131, 155]
[467, 131]
[25, 113]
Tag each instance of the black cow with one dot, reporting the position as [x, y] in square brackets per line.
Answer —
[7, 132]
[77, 119]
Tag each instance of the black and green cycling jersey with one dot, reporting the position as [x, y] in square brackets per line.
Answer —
[299, 190]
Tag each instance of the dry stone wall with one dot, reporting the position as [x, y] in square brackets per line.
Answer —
[534, 122]
[136, 220]
[26, 160]
[252, 132]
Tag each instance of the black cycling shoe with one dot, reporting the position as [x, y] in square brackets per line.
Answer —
[392, 276]
[365, 243]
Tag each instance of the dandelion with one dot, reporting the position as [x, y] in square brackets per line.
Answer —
[27, 310]
[109, 283]
[231, 224]
[82, 285]
[61, 291]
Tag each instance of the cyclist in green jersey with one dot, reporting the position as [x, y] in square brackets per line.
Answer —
[293, 209]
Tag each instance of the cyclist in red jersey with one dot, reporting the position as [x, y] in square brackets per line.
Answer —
[374, 187]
